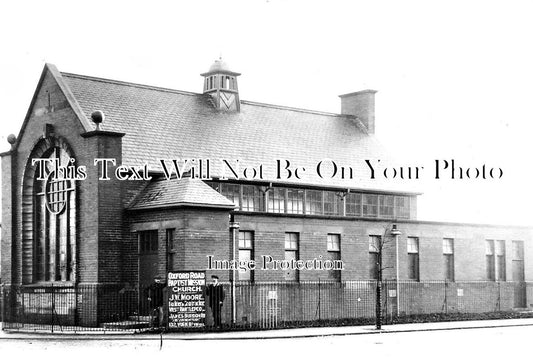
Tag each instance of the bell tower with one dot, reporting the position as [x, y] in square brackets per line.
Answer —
[221, 84]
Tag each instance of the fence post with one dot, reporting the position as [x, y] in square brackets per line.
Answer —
[319, 307]
[52, 307]
[446, 296]
[499, 297]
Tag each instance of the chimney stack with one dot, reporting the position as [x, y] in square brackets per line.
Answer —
[361, 105]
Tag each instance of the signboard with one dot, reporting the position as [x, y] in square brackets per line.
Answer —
[186, 301]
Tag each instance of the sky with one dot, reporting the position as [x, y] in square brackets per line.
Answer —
[454, 78]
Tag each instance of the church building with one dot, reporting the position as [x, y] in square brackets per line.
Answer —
[110, 185]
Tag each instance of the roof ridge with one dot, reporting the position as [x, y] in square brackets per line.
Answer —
[130, 84]
[302, 110]
[178, 91]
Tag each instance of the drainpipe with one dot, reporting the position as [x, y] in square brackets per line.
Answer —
[234, 226]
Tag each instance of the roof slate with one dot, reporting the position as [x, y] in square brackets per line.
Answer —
[184, 192]
[168, 124]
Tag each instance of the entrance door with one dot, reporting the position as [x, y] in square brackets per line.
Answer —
[148, 266]
[518, 274]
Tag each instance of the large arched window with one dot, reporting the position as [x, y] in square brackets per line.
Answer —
[53, 215]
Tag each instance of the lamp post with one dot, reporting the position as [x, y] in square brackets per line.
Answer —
[396, 234]
[233, 227]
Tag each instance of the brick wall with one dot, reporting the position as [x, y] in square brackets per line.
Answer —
[469, 242]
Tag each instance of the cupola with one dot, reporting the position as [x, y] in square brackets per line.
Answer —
[221, 84]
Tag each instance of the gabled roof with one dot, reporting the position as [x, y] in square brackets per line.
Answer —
[168, 124]
[178, 193]
[50, 68]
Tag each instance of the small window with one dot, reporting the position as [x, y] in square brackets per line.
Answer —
[295, 200]
[447, 246]
[313, 202]
[148, 242]
[276, 200]
[333, 243]
[447, 251]
[246, 253]
[412, 245]
[402, 207]
[334, 253]
[370, 205]
[353, 204]
[291, 253]
[413, 269]
[374, 243]
[232, 192]
[291, 241]
[386, 206]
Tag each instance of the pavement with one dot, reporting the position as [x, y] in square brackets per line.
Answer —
[268, 334]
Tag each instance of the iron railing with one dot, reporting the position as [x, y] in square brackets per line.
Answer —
[259, 305]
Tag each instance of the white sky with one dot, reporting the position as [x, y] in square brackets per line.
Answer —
[455, 78]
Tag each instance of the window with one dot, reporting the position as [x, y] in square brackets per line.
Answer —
[232, 192]
[276, 200]
[448, 253]
[370, 205]
[291, 253]
[374, 243]
[332, 203]
[413, 271]
[489, 258]
[148, 242]
[353, 204]
[500, 260]
[295, 200]
[386, 206]
[401, 204]
[495, 260]
[54, 222]
[170, 248]
[334, 251]
[246, 253]
[518, 261]
[333, 243]
[252, 198]
[313, 202]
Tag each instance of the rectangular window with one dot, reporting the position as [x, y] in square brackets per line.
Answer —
[332, 203]
[448, 252]
[413, 270]
[353, 204]
[313, 202]
[500, 260]
[232, 192]
[291, 253]
[252, 198]
[246, 253]
[295, 200]
[373, 256]
[518, 261]
[489, 258]
[170, 248]
[401, 204]
[148, 242]
[334, 253]
[276, 200]
[370, 205]
[386, 206]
